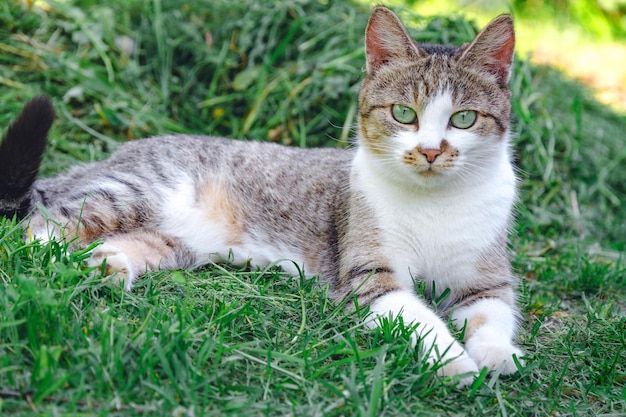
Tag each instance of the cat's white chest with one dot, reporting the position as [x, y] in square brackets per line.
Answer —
[436, 241]
[439, 236]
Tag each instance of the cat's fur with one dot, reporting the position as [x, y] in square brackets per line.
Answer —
[423, 201]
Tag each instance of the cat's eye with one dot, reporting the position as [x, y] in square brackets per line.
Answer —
[463, 119]
[403, 114]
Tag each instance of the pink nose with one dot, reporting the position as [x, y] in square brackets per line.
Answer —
[430, 154]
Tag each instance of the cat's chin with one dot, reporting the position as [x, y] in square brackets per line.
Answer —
[427, 181]
[431, 178]
[429, 173]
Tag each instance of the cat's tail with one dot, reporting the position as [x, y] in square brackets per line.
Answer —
[21, 152]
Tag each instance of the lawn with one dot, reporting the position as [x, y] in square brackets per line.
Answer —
[228, 342]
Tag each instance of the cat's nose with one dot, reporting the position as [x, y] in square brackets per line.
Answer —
[430, 154]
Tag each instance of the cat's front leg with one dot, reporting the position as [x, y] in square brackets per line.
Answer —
[432, 332]
[489, 329]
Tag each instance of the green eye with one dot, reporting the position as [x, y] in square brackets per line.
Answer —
[463, 119]
[403, 114]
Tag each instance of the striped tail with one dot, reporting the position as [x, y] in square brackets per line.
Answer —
[21, 152]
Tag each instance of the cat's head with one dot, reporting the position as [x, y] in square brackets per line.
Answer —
[435, 114]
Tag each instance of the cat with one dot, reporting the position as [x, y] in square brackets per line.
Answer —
[424, 196]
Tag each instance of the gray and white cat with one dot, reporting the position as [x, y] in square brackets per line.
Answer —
[425, 196]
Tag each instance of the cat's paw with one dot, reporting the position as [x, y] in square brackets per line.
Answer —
[117, 265]
[492, 356]
[462, 366]
[453, 363]
[42, 233]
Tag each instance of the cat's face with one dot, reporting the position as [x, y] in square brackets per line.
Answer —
[435, 115]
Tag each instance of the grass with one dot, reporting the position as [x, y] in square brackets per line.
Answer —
[222, 341]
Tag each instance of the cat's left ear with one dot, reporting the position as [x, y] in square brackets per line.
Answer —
[493, 48]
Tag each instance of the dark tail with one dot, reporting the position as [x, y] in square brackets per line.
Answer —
[21, 152]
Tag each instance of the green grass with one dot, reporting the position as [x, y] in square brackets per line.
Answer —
[221, 341]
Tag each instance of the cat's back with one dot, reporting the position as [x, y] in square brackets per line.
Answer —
[168, 160]
[266, 183]
[197, 154]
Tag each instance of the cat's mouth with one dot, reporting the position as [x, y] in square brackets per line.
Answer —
[428, 172]
[422, 168]
[430, 162]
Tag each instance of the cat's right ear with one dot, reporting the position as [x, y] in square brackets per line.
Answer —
[386, 39]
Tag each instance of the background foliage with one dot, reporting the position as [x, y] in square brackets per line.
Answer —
[603, 18]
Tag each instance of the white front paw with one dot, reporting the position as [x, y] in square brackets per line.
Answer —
[452, 361]
[490, 355]
[463, 365]
[117, 265]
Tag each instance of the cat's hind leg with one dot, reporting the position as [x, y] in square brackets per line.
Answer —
[127, 256]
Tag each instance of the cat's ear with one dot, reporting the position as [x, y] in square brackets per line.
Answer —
[386, 39]
[493, 48]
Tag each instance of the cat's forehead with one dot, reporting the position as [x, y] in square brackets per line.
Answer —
[419, 80]
[428, 74]
[446, 50]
